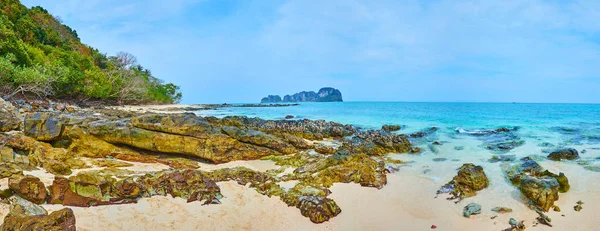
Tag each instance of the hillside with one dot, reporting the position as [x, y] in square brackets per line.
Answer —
[42, 58]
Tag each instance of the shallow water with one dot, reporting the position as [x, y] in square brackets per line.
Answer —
[466, 131]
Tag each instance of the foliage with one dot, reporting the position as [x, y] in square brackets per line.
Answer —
[40, 57]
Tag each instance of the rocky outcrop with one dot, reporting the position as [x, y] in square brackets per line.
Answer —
[467, 182]
[539, 186]
[271, 99]
[564, 154]
[25, 215]
[326, 94]
[58, 142]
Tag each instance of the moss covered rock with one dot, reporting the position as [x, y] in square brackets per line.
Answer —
[24, 216]
[470, 179]
[28, 187]
[542, 191]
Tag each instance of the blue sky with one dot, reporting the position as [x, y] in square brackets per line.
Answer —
[239, 51]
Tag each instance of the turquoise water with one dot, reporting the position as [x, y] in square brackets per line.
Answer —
[416, 116]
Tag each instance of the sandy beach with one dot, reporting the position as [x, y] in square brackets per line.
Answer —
[407, 202]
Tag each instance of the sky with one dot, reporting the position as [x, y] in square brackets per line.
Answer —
[406, 50]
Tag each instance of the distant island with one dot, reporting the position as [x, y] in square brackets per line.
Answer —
[326, 94]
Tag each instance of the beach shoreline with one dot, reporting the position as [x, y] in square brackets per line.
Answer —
[407, 201]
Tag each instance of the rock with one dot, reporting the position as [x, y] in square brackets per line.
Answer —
[326, 94]
[415, 150]
[578, 207]
[191, 185]
[376, 142]
[436, 143]
[562, 180]
[57, 167]
[391, 128]
[564, 154]
[271, 99]
[502, 209]
[467, 182]
[43, 126]
[471, 209]
[318, 209]
[515, 225]
[27, 216]
[9, 169]
[439, 159]
[502, 158]
[289, 117]
[10, 118]
[556, 209]
[542, 191]
[424, 133]
[499, 140]
[28, 187]
[325, 149]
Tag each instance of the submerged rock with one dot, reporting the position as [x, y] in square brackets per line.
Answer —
[25, 215]
[499, 140]
[424, 133]
[467, 182]
[391, 128]
[564, 154]
[471, 209]
[502, 158]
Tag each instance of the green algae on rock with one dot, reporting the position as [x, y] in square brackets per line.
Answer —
[470, 179]
[28, 187]
[24, 216]
[540, 186]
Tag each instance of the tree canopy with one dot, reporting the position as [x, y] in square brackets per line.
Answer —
[41, 57]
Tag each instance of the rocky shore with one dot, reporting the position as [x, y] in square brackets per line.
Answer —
[95, 142]
[59, 160]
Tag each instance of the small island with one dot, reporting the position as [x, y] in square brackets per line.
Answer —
[326, 94]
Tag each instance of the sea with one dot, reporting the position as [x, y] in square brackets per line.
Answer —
[492, 135]
[536, 129]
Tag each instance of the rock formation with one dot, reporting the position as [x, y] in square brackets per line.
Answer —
[326, 94]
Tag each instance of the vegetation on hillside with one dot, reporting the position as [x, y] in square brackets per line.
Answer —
[42, 58]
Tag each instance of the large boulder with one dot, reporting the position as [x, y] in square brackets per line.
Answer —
[9, 117]
[24, 216]
[375, 142]
[564, 154]
[28, 187]
[43, 126]
[542, 191]
[470, 179]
